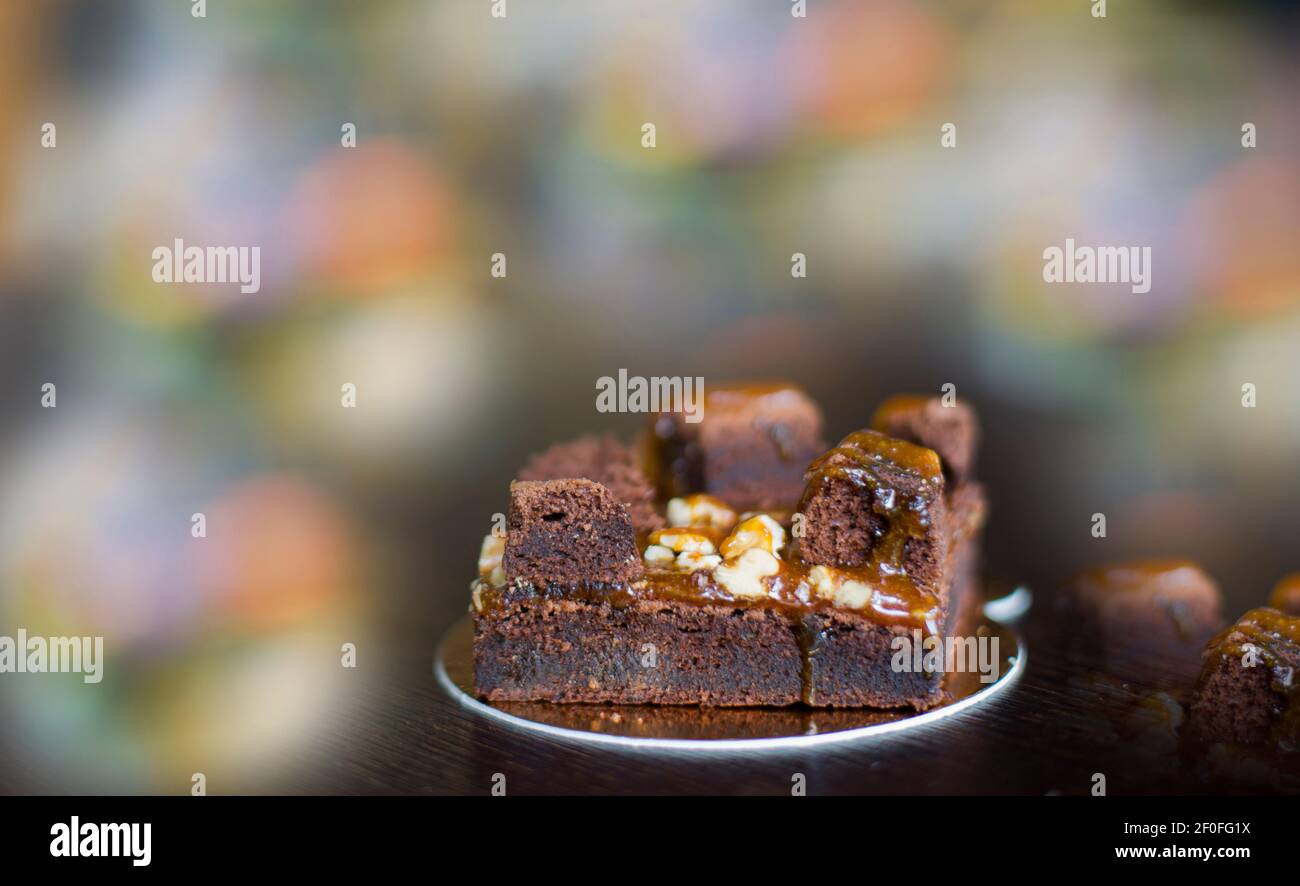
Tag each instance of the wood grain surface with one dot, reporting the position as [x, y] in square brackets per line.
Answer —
[1053, 732]
[1062, 724]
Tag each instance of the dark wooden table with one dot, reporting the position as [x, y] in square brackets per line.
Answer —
[1052, 732]
[398, 732]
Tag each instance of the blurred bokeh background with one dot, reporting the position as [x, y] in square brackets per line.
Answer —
[522, 136]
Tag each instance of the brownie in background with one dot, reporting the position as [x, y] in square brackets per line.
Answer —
[950, 429]
[749, 449]
[1286, 595]
[1145, 620]
[606, 460]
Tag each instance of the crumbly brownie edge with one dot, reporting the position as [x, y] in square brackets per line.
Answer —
[648, 652]
[852, 660]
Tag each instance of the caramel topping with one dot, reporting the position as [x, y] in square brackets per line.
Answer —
[886, 598]
[860, 455]
[880, 589]
[732, 395]
[1121, 577]
[1286, 596]
[896, 407]
[1265, 628]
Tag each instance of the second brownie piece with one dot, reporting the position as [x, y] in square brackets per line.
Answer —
[1145, 620]
[750, 449]
[950, 430]
[607, 461]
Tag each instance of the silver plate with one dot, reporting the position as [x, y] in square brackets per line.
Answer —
[690, 727]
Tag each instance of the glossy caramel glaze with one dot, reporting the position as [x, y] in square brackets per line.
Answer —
[1268, 630]
[892, 598]
[862, 454]
[897, 406]
[1286, 595]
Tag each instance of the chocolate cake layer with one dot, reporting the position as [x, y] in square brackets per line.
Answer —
[648, 651]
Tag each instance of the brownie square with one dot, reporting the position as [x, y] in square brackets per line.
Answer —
[875, 499]
[723, 615]
[1247, 692]
[568, 532]
[1140, 619]
[749, 449]
[950, 430]
[851, 660]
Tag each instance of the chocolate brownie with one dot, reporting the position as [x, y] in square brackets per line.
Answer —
[1286, 595]
[568, 532]
[875, 500]
[950, 430]
[609, 462]
[1142, 618]
[593, 646]
[749, 449]
[1249, 688]
[730, 610]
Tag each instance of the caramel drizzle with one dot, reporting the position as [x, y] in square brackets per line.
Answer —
[897, 407]
[894, 599]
